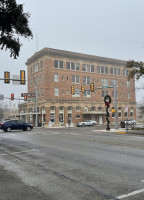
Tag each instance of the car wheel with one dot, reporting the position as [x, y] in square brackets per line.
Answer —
[4, 130]
[94, 125]
[83, 125]
[8, 129]
[28, 128]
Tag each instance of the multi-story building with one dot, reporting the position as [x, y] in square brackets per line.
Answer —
[53, 72]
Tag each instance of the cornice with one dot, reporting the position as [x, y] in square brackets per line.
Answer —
[73, 55]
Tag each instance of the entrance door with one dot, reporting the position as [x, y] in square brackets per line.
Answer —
[100, 119]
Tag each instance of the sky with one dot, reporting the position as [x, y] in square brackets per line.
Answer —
[107, 28]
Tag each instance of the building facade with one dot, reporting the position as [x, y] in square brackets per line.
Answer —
[52, 72]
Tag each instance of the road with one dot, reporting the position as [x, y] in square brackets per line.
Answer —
[71, 164]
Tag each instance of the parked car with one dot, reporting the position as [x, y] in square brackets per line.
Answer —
[130, 121]
[9, 125]
[87, 123]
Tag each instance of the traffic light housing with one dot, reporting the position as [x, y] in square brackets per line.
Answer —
[92, 87]
[25, 98]
[6, 77]
[22, 77]
[72, 90]
[82, 89]
[12, 96]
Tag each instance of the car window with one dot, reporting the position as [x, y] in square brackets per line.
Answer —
[19, 122]
[12, 122]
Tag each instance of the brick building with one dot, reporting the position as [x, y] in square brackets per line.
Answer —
[55, 71]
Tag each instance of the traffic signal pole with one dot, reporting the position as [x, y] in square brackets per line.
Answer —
[36, 107]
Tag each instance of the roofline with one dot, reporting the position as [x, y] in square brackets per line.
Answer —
[68, 54]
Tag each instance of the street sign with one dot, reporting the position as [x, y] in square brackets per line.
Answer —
[113, 110]
[1, 97]
[104, 86]
[28, 94]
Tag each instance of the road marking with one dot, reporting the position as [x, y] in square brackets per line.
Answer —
[26, 151]
[142, 181]
[130, 194]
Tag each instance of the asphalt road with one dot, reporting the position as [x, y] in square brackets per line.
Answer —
[71, 164]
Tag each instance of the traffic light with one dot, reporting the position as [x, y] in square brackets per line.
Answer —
[12, 96]
[22, 77]
[82, 89]
[25, 98]
[92, 87]
[6, 77]
[72, 90]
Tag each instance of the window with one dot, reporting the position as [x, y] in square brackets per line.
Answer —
[77, 93]
[42, 93]
[52, 117]
[41, 64]
[128, 95]
[114, 71]
[102, 70]
[104, 82]
[38, 79]
[73, 66]
[104, 93]
[87, 93]
[86, 80]
[119, 114]
[131, 114]
[125, 114]
[52, 108]
[56, 90]
[56, 78]
[114, 81]
[78, 116]
[75, 79]
[62, 78]
[125, 72]
[87, 68]
[78, 108]
[41, 78]
[31, 70]
[36, 67]
[58, 64]
[128, 84]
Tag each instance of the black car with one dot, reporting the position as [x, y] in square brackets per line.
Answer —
[9, 125]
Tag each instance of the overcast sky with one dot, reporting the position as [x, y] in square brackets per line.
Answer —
[107, 28]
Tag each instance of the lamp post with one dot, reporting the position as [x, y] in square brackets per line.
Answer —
[115, 98]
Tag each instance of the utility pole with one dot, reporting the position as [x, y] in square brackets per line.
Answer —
[36, 108]
[115, 97]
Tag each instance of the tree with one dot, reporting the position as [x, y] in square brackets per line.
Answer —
[13, 23]
[137, 69]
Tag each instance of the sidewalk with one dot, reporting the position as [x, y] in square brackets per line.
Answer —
[12, 188]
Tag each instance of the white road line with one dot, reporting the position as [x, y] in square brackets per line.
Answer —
[142, 181]
[26, 151]
[130, 194]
